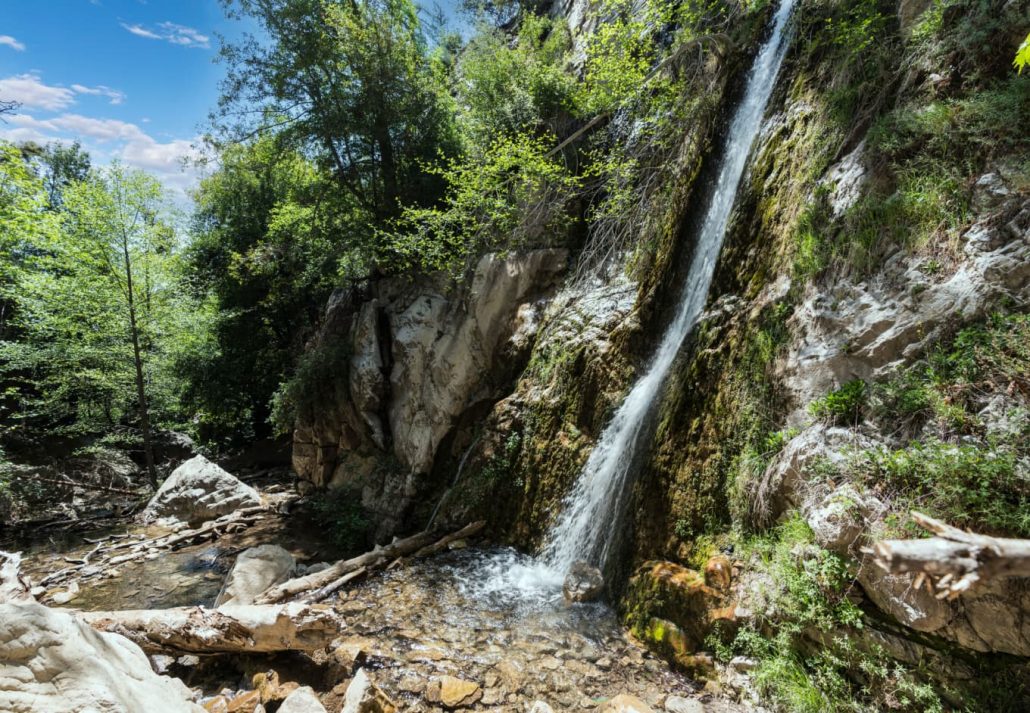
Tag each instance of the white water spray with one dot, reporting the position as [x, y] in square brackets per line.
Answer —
[587, 527]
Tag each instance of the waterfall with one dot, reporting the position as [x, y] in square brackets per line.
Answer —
[588, 526]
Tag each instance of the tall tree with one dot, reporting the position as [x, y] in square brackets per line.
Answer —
[349, 81]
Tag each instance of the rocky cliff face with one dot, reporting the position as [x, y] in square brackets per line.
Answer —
[840, 268]
[419, 357]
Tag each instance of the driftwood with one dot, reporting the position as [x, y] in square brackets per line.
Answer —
[130, 548]
[954, 561]
[231, 629]
[329, 580]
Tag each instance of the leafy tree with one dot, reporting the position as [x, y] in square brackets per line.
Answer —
[1022, 56]
[350, 82]
[97, 308]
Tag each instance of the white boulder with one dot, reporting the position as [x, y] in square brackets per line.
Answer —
[254, 571]
[199, 490]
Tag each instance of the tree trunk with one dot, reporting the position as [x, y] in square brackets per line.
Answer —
[141, 394]
[231, 629]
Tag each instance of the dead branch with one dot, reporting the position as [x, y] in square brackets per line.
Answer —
[953, 561]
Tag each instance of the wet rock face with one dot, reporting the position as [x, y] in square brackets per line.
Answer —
[50, 661]
[199, 490]
[584, 583]
[254, 571]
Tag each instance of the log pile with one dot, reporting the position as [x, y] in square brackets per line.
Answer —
[953, 561]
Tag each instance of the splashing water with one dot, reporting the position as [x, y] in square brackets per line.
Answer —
[588, 526]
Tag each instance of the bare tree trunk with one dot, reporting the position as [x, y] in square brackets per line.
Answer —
[954, 561]
[141, 395]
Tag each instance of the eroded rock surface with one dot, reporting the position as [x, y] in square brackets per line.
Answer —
[51, 661]
[584, 583]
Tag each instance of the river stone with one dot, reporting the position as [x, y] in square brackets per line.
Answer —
[303, 700]
[51, 661]
[254, 571]
[453, 692]
[584, 583]
[199, 490]
[541, 707]
[679, 704]
[363, 696]
[623, 703]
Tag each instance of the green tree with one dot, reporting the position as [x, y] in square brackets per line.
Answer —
[96, 307]
[350, 82]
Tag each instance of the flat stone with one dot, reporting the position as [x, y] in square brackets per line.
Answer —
[451, 692]
[303, 700]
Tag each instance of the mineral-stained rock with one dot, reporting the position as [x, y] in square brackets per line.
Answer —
[719, 572]
[363, 696]
[254, 571]
[51, 661]
[270, 689]
[303, 700]
[453, 692]
[584, 583]
[199, 490]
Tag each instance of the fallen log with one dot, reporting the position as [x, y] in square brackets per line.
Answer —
[334, 586]
[231, 629]
[316, 580]
[331, 579]
[954, 561]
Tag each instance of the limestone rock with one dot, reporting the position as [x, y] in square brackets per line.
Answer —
[719, 573]
[584, 583]
[254, 571]
[679, 704]
[540, 707]
[303, 700]
[270, 690]
[199, 490]
[839, 519]
[363, 696]
[453, 692]
[51, 661]
[623, 703]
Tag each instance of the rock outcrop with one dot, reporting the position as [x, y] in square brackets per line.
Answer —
[199, 490]
[420, 357]
[51, 661]
[583, 583]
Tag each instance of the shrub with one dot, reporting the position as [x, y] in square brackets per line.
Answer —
[345, 523]
[843, 405]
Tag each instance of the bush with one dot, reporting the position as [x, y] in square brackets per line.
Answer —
[843, 406]
[340, 515]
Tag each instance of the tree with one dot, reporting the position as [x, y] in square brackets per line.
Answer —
[350, 82]
[96, 309]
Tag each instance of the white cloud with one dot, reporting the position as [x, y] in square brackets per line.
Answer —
[115, 96]
[7, 40]
[170, 32]
[29, 91]
[109, 139]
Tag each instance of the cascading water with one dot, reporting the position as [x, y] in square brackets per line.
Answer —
[588, 524]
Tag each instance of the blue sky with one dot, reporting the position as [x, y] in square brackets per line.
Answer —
[129, 79]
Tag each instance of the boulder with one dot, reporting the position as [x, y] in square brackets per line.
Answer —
[623, 703]
[363, 696]
[303, 700]
[51, 661]
[584, 583]
[199, 490]
[254, 571]
[452, 692]
[541, 707]
[839, 519]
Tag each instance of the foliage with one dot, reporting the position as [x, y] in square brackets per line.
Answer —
[71, 364]
[342, 519]
[804, 636]
[841, 406]
[517, 197]
[320, 372]
[1022, 56]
